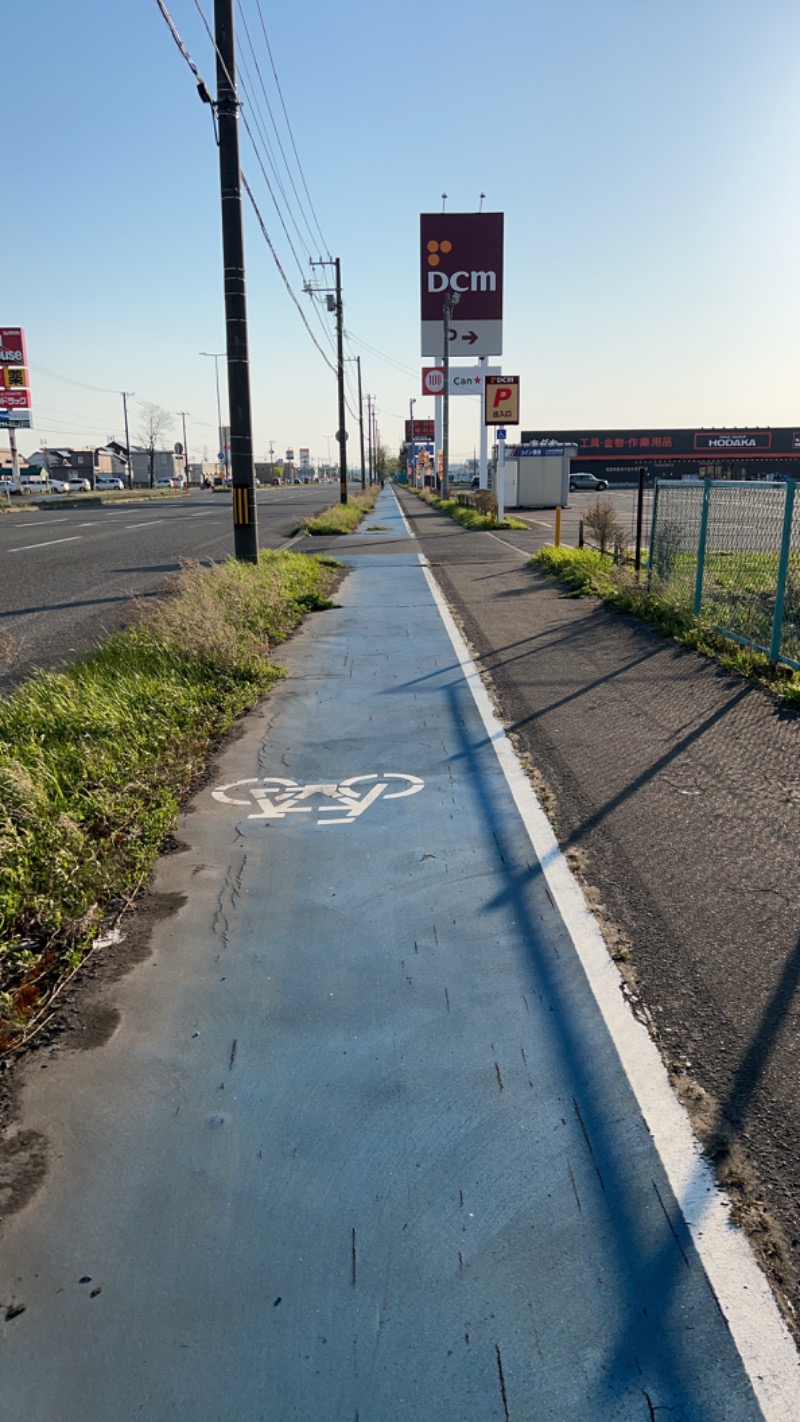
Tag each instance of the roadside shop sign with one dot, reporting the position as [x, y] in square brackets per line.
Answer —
[464, 379]
[12, 346]
[15, 399]
[501, 402]
[461, 255]
[418, 430]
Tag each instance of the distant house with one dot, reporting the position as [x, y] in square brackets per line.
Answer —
[85, 462]
[166, 465]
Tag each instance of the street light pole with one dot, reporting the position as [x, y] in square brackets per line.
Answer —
[183, 414]
[125, 395]
[222, 453]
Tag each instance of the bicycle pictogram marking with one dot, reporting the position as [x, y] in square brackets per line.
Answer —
[276, 797]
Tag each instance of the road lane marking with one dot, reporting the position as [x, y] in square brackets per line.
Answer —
[740, 1288]
[149, 523]
[74, 538]
[42, 522]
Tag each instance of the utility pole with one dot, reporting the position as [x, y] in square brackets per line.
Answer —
[341, 433]
[369, 434]
[126, 395]
[245, 529]
[361, 423]
[183, 414]
[336, 304]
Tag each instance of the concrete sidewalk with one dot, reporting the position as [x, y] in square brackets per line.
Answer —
[377, 1136]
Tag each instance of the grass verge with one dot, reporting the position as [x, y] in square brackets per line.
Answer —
[586, 572]
[466, 516]
[96, 759]
[343, 518]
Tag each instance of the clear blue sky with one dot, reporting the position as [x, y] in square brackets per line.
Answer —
[645, 157]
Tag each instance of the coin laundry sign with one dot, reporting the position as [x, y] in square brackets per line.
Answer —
[339, 802]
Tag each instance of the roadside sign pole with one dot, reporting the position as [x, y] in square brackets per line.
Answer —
[437, 428]
[12, 440]
[501, 475]
[449, 302]
[483, 479]
[412, 451]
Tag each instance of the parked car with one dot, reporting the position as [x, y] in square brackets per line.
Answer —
[587, 482]
[58, 486]
[163, 482]
[108, 481]
[77, 485]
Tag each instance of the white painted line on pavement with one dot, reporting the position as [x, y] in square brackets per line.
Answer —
[522, 552]
[741, 1289]
[42, 522]
[74, 538]
[148, 524]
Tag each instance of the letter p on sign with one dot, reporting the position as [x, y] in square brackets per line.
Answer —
[501, 403]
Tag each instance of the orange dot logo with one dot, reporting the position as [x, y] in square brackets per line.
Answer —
[434, 248]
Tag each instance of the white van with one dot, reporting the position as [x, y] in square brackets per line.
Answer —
[108, 481]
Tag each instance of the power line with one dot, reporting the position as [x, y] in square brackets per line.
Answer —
[289, 127]
[407, 369]
[277, 136]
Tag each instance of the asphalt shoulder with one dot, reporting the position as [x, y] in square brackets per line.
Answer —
[674, 790]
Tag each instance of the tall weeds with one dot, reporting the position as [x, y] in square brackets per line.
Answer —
[95, 758]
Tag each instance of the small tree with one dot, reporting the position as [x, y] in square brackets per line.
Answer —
[155, 423]
[601, 519]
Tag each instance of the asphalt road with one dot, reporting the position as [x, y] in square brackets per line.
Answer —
[69, 576]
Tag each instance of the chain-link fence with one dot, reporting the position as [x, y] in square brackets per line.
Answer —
[730, 553]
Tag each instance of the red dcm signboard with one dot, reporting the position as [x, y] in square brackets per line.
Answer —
[461, 253]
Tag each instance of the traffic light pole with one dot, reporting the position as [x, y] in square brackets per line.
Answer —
[245, 530]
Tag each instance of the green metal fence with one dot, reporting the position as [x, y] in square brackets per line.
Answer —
[730, 553]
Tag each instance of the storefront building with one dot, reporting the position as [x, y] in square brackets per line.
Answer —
[617, 455]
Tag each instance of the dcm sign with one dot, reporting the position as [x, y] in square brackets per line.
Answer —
[461, 254]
